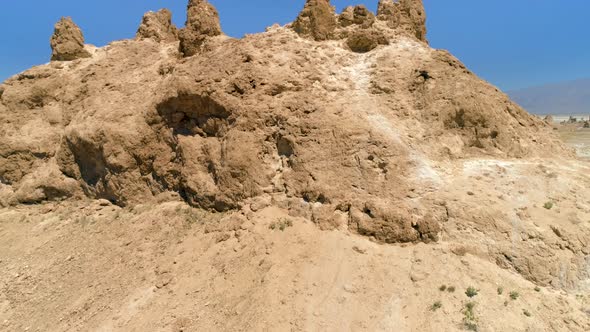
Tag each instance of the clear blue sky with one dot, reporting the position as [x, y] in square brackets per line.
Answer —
[512, 43]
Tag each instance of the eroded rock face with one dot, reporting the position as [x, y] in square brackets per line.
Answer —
[361, 142]
[202, 22]
[158, 26]
[67, 41]
[407, 15]
[317, 20]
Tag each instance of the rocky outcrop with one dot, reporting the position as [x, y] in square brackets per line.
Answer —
[405, 15]
[316, 20]
[365, 40]
[358, 15]
[67, 42]
[367, 143]
[158, 26]
[202, 22]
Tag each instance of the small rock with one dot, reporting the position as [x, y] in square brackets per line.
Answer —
[260, 203]
[103, 202]
[222, 237]
[359, 250]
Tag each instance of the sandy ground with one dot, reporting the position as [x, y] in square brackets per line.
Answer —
[83, 266]
[577, 138]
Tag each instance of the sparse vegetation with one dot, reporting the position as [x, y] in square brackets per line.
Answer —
[526, 313]
[500, 290]
[442, 288]
[471, 292]
[469, 318]
[435, 306]
[514, 295]
[281, 224]
[451, 289]
[537, 289]
[548, 205]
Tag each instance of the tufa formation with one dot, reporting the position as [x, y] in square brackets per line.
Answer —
[316, 20]
[202, 22]
[359, 15]
[356, 24]
[158, 26]
[373, 131]
[67, 41]
[407, 15]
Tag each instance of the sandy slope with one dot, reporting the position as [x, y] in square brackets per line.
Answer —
[168, 267]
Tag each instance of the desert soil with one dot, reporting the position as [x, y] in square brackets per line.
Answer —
[97, 267]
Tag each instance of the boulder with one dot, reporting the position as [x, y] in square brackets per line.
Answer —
[158, 26]
[365, 40]
[67, 42]
[202, 22]
[316, 20]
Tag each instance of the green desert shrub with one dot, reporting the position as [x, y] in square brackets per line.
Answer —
[471, 291]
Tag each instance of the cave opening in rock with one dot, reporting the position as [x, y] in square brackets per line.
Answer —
[192, 114]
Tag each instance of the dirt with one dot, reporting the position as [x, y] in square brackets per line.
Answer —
[284, 182]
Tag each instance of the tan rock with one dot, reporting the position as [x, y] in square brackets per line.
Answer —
[358, 15]
[202, 22]
[158, 26]
[316, 20]
[67, 42]
[363, 41]
[406, 15]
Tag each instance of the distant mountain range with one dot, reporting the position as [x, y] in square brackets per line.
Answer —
[571, 97]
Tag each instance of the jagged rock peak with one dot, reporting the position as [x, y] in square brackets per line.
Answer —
[406, 15]
[67, 41]
[359, 15]
[202, 22]
[317, 19]
[158, 26]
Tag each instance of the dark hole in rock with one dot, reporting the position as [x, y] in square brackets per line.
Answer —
[191, 114]
[494, 134]
[368, 212]
[90, 161]
[425, 75]
[459, 118]
[315, 197]
[285, 147]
